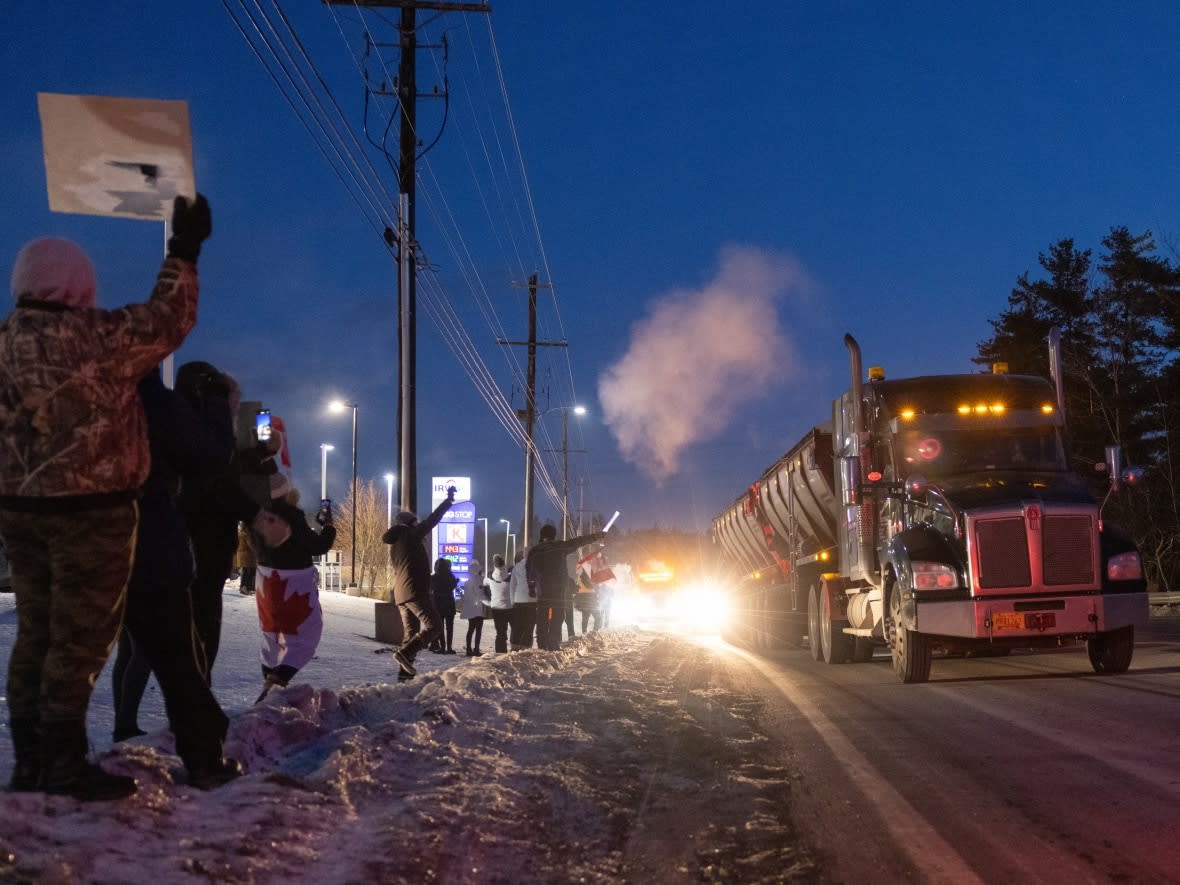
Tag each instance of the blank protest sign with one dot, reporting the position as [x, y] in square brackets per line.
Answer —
[121, 157]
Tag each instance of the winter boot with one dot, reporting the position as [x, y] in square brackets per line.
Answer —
[212, 774]
[65, 770]
[26, 747]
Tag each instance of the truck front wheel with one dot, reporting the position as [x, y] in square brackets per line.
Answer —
[1111, 652]
[911, 650]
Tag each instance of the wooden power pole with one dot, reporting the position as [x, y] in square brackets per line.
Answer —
[407, 335]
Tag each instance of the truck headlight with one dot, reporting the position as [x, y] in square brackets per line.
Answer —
[1125, 567]
[935, 576]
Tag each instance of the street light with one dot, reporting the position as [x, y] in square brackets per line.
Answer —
[484, 520]
[389, 499]
[324, 449]
[565, 466]
[512, 535]
[336, 407]
[508, 525]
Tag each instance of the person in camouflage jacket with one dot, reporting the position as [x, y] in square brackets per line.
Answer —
[75, 454]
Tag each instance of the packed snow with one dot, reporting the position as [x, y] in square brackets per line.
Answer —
[627, 756]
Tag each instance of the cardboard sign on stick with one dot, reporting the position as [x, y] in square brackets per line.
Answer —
[121, 157]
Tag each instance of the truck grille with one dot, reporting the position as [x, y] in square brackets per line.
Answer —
[1036, 549]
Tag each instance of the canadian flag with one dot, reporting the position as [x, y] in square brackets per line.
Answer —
[595, 567]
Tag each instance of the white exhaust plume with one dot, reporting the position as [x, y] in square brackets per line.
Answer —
[697, 356]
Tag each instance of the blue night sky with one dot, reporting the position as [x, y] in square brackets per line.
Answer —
[716, 194]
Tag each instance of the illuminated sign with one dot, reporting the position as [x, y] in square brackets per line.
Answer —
[454, 537]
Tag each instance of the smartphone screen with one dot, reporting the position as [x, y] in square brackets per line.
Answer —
[262, 425]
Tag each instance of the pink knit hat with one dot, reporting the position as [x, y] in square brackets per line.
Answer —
[54, 269]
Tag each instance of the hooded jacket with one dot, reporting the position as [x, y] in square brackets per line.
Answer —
[70, 413]
[408, 560]
[499, 581]
[474, 593]
[547, 568]
[518, 581]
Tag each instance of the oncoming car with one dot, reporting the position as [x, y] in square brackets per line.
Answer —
[655, 598]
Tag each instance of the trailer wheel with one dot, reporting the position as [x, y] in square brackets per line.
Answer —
[813, 628]
[1111, 652]
[911, 650]
[836, 644]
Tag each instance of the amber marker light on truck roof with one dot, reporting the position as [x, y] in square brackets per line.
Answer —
[907, 414]
[1047, 408]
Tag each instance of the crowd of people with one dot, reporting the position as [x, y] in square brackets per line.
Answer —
[120, 506]
[528, 602]
[123, 503]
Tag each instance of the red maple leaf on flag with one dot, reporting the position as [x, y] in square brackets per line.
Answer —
[276, 614]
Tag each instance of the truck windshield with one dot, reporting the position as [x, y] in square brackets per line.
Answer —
[951, 452]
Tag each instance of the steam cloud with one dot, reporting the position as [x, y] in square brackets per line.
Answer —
[697, 357]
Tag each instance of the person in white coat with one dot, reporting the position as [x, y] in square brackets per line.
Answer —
[471, 608]
[524, 605]
[501, 601]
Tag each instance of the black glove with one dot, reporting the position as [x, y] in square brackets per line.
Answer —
[192, 224]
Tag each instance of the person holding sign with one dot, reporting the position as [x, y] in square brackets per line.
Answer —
[78, 453]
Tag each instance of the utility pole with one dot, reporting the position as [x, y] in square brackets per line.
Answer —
[565, 468]
[407, 334]
[528, 415]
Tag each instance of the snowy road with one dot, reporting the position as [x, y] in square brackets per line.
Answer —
[635, 756]
[626, 757]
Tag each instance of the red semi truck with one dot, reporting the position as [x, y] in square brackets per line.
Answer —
[934, 513]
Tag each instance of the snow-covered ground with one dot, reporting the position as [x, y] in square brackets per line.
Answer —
[628, 756]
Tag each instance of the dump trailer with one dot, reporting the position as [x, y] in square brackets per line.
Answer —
[936, 513]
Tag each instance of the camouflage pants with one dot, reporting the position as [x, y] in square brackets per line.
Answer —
[69, 576]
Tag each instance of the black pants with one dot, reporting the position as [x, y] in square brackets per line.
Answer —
[501, 617]
[474, 629]
[550, 617]
[160, 622]
[213, 555]
[569, 619]
[524, 622]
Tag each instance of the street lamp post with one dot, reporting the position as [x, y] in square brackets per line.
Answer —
[507, 526]
[389, 499]
[484, 520]
[324, 449]
[338, 406]
[565, 467]
[512, 535]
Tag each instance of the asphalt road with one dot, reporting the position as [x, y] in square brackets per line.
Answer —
[1029, 768]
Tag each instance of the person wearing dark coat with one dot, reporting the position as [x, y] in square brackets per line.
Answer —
[158, 625]
[549, 575]
[442, 590]
[213, 504]
[410, 574]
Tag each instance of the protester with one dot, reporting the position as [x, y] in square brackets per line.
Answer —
[410, 574]
[501, 601]
[442, 590]
[287, 587]
[76, 453]
[571, 589]
[548, 572]
[475, 599]
[524, 604]
[213, 503]
[246, 560]
[158, 630]
[586, 601]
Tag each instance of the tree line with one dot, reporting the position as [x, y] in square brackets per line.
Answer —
[1119, 317]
